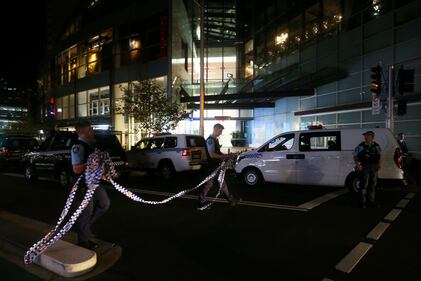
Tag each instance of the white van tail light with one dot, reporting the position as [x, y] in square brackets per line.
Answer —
[397, 157]
[185, 152]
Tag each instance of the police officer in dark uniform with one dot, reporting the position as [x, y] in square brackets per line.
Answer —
[100, 202]
[404, 154]
[215, 158]
[367, 160]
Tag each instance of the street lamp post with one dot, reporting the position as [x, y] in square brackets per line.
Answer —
[202, 69]
[390, 105]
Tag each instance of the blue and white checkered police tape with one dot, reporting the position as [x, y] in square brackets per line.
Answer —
[100, 166]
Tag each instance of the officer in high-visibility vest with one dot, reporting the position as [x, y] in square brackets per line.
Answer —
[215, 158]
[100, 202]
[367, 160]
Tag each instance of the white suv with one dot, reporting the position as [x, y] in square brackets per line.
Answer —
[168, 154]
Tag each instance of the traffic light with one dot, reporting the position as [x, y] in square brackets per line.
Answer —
[52, 107]
[405, 80]
[376, 80]
[402, 107]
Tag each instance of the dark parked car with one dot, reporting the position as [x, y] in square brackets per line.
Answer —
[53, 159]
[13, 148]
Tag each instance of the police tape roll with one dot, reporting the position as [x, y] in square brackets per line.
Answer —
[99, 166]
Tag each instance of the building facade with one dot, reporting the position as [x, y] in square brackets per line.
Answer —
[14, 106]
[331, 46]
[270, 66]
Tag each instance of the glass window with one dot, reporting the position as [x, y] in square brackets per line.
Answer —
[93, 97]
[93, 108]
[72, 100]
[143, 144]
[233, 113]
[170, 142]
[193, 141]
[45, 144]
[157, 143]
[65, 101]
[104, 107]
[246, 113]
[284, 142]
[81, 97]
[82, 110]
[320, 141]
[61, 142]
[104, 92]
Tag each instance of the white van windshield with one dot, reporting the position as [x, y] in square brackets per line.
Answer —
[280, 143]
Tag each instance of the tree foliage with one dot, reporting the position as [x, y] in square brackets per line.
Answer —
[150, 107]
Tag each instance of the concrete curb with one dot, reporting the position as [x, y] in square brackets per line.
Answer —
[63, 261]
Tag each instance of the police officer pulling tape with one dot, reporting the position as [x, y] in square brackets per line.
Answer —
[215, 157]
[100, 201]
[367, 161]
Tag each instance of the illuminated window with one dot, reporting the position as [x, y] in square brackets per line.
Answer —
[134, 48]
[281, 39]
[93, 61]
[376, 7]
[82, 104]
[99, 101]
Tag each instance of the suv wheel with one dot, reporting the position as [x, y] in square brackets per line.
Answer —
[29, 173]
[166, 170]
[252, 177]
[64, 178]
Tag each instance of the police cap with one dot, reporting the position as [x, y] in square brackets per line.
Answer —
[370, 133]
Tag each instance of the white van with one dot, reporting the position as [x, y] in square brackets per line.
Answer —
[315, 157]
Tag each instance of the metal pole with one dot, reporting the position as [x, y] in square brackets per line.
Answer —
[202, 69]
[390, 105]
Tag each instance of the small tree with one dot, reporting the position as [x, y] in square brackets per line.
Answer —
[149, 105]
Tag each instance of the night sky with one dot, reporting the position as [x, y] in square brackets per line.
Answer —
[23, 33]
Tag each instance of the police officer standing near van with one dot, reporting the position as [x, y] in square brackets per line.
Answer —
[215, 158]
[367, 160]
[100, 202]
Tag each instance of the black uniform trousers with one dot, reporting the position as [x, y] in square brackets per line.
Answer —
[368, 183]
[98, 205]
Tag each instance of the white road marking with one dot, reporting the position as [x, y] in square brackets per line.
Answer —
[402, 204]
[220, 200]
[305, 207]
[322, 199]
[13, 175]
[16, 175]
[378, 231]
[348, 263]
[392, 215]
[410, 195]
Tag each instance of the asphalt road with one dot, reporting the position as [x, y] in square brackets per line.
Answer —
[280, 232]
